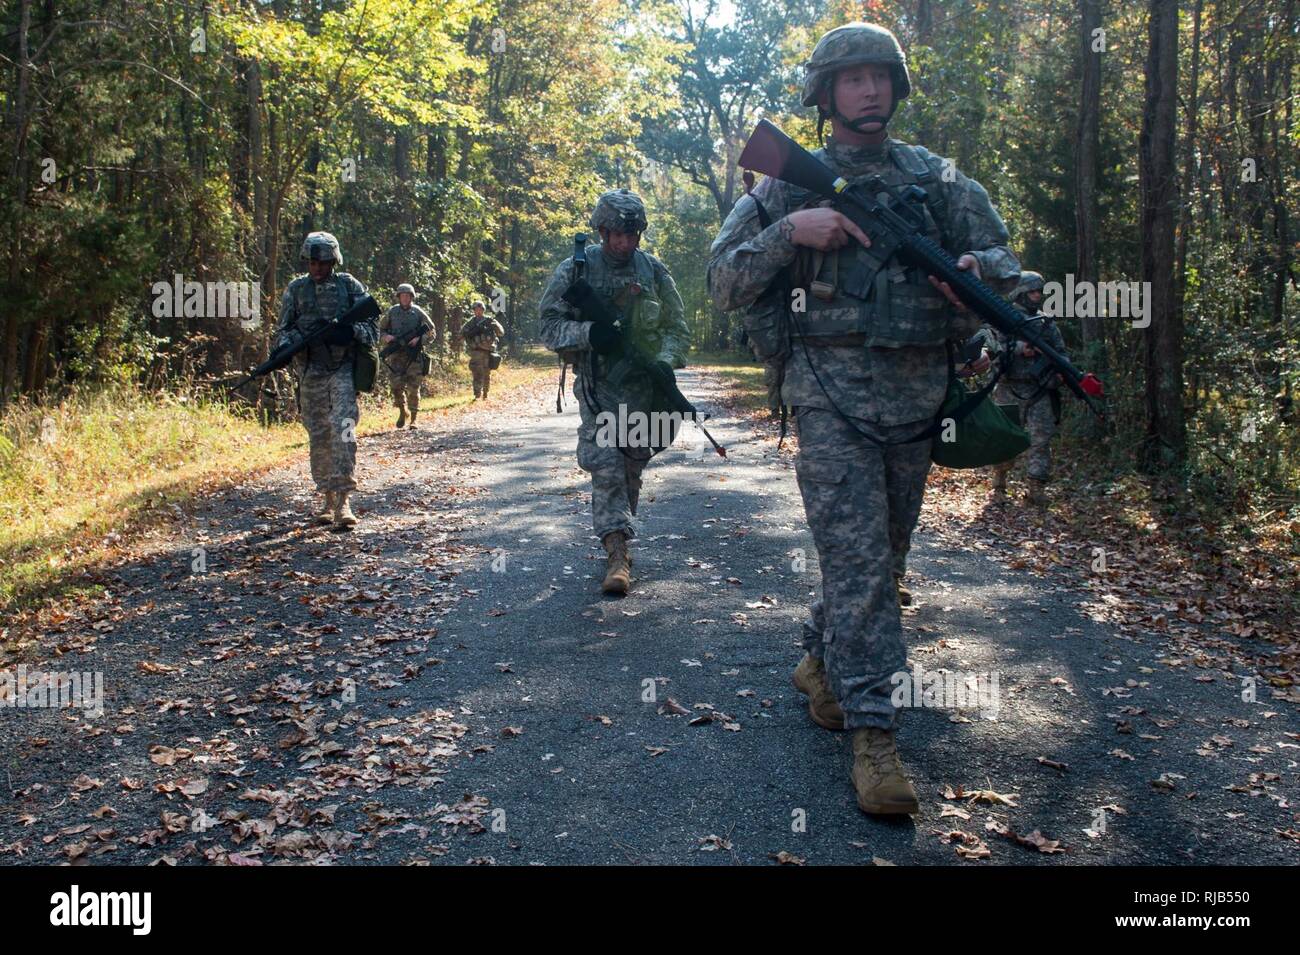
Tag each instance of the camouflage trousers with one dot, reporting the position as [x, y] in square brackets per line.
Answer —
[481, 371]
[862, 502]
[1037, 419]
[771, 377]
[615, 472]
[406, 390]
[328, 403]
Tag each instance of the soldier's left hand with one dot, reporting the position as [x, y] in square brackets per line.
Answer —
[967, 262]
[976, 367]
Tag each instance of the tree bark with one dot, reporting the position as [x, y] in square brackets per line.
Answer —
[1165, 446]
[1086, 151]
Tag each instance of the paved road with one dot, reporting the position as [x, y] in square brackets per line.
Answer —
[447, 685]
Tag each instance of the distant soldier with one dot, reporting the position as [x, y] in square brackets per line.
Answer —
[639, 286]
[327, 396]
[402, 332]
[481, 334]
[1037, 401]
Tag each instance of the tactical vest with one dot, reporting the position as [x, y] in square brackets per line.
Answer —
[311, 317]
[850, 291]
[404, 323]
[639, 307]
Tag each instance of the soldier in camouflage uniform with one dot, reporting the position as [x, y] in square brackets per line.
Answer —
[1038, 406]
[639, 286]
[481, 334]
[407, 324]
[327, 396]
[868, 370]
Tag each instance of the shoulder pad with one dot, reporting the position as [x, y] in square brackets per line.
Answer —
[914, 160]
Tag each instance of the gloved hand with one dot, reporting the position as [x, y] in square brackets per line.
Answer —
[337, 335]
[604, 339]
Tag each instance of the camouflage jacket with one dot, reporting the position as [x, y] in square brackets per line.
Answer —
[484, 334]
[883, 386]
[641, 289]
[404, 324]
[306, 305]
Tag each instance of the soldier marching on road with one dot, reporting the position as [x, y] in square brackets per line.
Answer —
[639, 286]
[481, 334]
[867, 369]
[327, 394]
[1038, 404]
[402, 332]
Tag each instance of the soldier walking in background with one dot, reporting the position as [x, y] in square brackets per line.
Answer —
[402, 332]
[481, 334]
[1037, 402]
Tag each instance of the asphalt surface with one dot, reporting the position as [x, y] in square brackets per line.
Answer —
[446, 684]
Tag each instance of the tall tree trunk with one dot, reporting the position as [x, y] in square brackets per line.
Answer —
[18, 173]
[1086, 151]
[1166, 436]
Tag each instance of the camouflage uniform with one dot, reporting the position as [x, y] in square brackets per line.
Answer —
[405, 365]
[327, 397]
[886, 371]
[481, 347]
[1016, 387]
[653, 318]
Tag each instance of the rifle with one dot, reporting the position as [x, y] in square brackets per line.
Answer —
[895, 228]
[595, 309]
[364, 309]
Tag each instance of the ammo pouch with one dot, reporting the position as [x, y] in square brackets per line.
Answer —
[365, 367]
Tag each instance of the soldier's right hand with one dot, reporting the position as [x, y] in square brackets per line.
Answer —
[821, 228]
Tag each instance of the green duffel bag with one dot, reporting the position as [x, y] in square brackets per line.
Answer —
[365, 367]
[980, 432]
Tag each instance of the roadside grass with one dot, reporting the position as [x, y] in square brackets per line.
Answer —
[742, 375]
[82, 478]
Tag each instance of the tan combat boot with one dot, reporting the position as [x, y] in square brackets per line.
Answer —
[998, 493]
[810, 678]
[878, 775]
[414, 412]
[343, 516]
[326, 513]
[1035, 492]
[618, 570]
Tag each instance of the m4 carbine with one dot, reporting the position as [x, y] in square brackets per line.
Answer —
[364, 309]
[895, 227]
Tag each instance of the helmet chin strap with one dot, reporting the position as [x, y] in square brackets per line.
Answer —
[856, 125]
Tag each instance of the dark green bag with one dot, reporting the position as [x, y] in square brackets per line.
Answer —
[983, 435]
[365, 367]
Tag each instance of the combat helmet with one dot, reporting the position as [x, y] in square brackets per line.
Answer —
[406, 287]
[321, 246]
[1029, 282]
[852, 45]
[620, 210]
